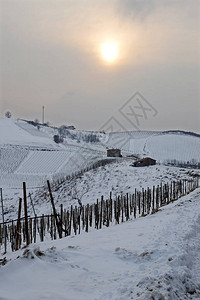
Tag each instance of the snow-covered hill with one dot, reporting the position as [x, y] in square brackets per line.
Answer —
[147, 258]
[118, 178]
[29, 154]
[17, 132]
[162, 146]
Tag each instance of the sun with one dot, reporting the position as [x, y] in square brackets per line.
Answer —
[109, 51]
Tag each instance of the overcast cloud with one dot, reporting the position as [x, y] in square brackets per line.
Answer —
[50, 55]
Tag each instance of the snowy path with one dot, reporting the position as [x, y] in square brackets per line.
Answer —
[156, 257]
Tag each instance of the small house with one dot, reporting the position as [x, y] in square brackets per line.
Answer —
[144, 162]
[114, 153]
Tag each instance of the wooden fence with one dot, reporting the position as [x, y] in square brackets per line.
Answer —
[104, 212]
[61, 178]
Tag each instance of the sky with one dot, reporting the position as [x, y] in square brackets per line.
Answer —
[51, 55]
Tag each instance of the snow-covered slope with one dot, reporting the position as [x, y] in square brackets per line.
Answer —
[118, 178]
[29, 153]
[17, 132]
[155, 257]
[173, 146]
[159, 145]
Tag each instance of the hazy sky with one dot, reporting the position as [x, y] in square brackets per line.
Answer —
[51, 56]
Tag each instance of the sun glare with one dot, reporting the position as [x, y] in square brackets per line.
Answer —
[109, 51]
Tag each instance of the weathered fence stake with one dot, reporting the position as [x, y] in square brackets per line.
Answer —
[59, 226]
[26, 214]
[18, 224]
[4, 228]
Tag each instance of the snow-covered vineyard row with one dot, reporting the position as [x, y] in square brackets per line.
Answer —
[102, 213]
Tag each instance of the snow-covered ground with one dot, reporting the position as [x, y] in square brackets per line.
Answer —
[156, 257]
[30, 155]
[118, 178]
[153, 257]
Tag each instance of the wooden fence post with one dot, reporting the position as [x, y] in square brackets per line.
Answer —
[34, 229]
[96, 212]
[153, 199]
[61, 213]
[79, 219]
[26, 215]
[134, 205]
[101, 212]
[4, 226]
[111, 209]
[86, 217]
[127, 207]
[18, 224]
[157, 198]
[139, 206]
[58, 224]
[122, 208]
[83, 217]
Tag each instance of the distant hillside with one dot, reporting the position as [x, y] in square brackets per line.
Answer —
[17, 132]
[29, 153]
[168, 145]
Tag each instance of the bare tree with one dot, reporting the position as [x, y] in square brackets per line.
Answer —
[8, 114]
[76, 195]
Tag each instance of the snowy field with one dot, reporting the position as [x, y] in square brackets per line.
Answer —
[155, 257]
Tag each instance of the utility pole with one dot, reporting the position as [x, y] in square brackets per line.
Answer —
[43, 114]
[4, 228]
